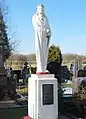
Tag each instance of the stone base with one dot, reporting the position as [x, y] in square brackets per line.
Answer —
[43, 99]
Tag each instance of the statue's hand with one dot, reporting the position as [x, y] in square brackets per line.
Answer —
[48, 33]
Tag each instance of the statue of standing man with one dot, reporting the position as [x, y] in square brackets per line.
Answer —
[42, 38]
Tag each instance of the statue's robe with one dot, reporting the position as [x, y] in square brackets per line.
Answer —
[42, 37]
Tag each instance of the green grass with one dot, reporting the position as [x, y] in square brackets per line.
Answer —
[14, 113]
[23, 91]
[67, 85]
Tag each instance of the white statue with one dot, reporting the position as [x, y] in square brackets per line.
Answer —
[42, 38]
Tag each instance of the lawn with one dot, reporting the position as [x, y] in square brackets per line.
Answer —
[67, 85]
[23, 91]
[14, 113]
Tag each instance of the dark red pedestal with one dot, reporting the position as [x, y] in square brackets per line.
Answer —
[39, 73]
[26, 117]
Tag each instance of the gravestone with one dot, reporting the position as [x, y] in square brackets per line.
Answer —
[78, 81]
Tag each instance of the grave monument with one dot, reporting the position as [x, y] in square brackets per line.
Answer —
[42, 86]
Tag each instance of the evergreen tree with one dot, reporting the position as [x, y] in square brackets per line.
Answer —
[54, 54]
[4, 40]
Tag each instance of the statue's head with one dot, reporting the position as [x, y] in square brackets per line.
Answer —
[40, 9]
